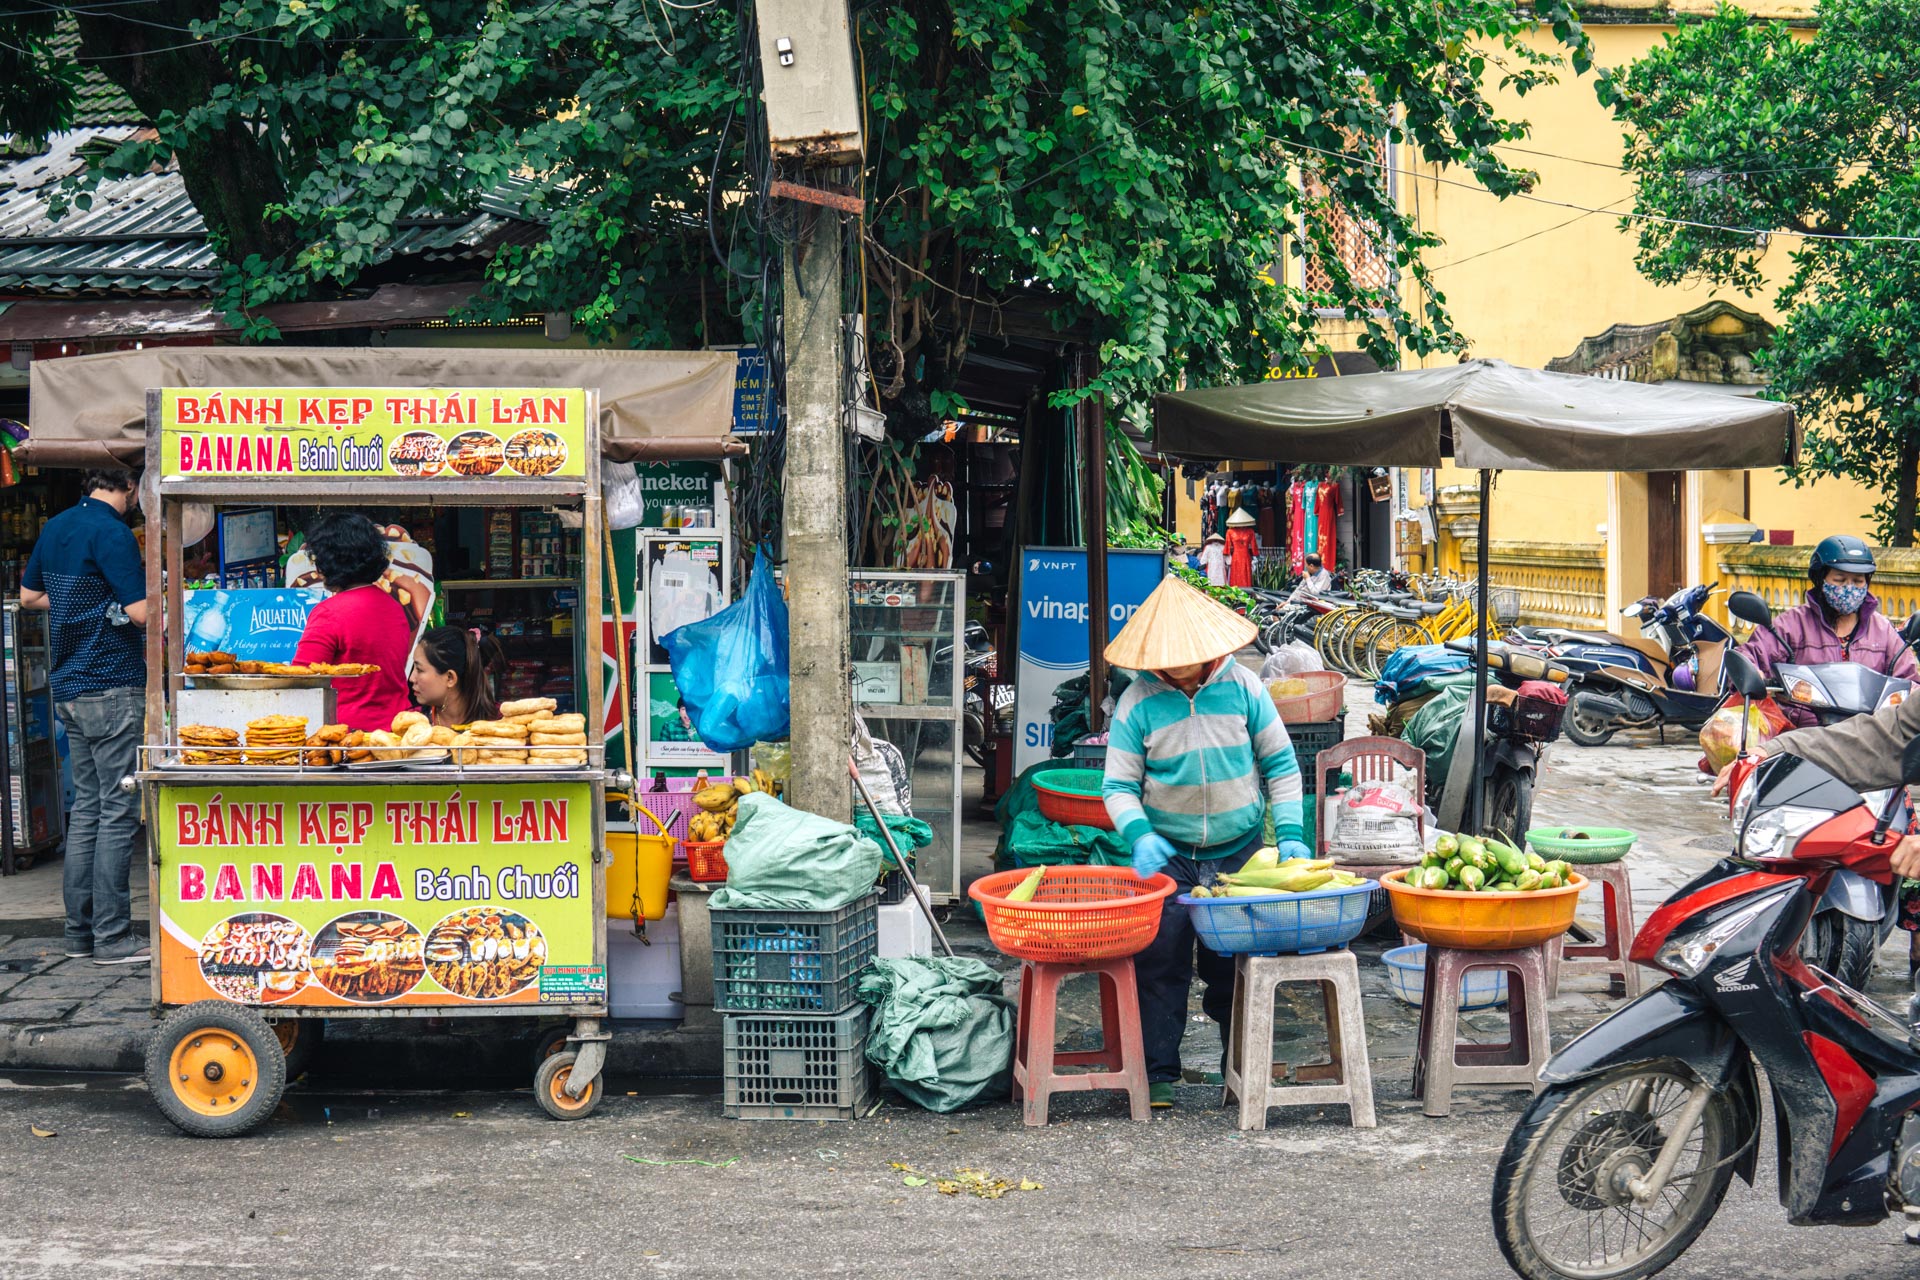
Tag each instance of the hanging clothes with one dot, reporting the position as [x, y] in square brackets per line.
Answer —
[1213, 559]
[1243, 546]
[1328, 507]
[1297, 526]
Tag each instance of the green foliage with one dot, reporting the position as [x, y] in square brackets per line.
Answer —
[1134, 496]
[1233, 597]
[1738, 123]
[1124, 169]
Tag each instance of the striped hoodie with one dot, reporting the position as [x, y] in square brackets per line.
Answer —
[1201, 771]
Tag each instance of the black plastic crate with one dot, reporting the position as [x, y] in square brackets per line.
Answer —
[1537, 719]
[893, 889]
[792, 961]
[1309, 740]
[787, 1068]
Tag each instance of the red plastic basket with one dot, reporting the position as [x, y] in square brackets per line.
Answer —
[1079, 914]
[1071, 808]
[706, 862]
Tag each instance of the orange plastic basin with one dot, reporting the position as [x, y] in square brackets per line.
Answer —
[1482, 921]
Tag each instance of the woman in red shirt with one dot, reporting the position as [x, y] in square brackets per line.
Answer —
[358, 622]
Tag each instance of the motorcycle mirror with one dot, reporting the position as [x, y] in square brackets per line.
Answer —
[1744, 676]
[1910, 764]
[1910, 633]
[1749, 607]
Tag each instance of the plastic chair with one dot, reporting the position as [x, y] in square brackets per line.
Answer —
[1609, 955]
[1370, 760]
[1345, 1079]
[1441, 1063]
[1121, 1059]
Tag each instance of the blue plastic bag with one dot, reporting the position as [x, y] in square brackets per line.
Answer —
[1412, 664]
[732, 667]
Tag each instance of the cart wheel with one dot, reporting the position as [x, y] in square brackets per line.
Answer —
[550, 1042]
[216, 1069]
[300, 1040]
[550, 1089]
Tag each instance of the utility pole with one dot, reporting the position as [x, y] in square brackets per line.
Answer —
[816, 524]
[811, 91]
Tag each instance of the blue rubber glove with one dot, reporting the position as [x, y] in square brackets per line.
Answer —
[1150, 854]
[1293, 849]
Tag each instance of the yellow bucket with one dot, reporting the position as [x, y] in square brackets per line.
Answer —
[638, 868]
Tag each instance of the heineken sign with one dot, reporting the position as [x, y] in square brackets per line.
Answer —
[676, 484]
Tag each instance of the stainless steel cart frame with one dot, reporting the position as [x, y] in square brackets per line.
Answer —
[162, 503]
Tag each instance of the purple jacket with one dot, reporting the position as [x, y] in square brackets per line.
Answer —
[1808, 639]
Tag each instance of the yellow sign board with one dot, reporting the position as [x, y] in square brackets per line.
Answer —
[300, 433]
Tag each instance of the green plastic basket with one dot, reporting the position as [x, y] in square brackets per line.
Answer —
[1582, 845]
[1073, 782]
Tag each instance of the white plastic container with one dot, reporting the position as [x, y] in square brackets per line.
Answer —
[643, 981]
[904, 931]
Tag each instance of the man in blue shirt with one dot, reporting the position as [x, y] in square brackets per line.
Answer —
[86, 572]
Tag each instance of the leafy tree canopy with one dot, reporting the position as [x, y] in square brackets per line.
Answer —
[1131, 166]
[1744, 125]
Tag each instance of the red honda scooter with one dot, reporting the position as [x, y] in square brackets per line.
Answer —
[1623, 1158]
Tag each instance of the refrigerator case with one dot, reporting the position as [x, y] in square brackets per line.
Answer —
[34, 812]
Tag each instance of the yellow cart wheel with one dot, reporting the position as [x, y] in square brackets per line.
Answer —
[300, 1040]
[215, 1069]
[550, 1089]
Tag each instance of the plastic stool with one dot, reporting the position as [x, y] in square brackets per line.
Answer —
[1249, 1073]
[1122, 1055]
[1609, 955]
[1440, 1062]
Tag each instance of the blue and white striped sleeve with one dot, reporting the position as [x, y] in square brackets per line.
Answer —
[1126, 768]
[1279, 767]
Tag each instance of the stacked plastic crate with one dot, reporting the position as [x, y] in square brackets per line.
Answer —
[795, 1033]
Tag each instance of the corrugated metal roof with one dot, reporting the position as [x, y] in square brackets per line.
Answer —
[97, 100]
[142, 236]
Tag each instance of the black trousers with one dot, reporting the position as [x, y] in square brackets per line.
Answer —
[1164, 972]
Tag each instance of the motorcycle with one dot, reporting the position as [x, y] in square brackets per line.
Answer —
[1511, 755]
[1610, 693]
[1855, 915]
[979, 720]
[1642, 1122]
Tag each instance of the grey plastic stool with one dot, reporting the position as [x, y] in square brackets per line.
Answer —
[1440, 1062]
[1346, 1079]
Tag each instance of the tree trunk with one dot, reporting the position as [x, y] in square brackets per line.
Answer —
[229, 173]
[1904, 489]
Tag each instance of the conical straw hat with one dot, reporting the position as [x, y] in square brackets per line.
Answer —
[1178, 627]
[1240, 518]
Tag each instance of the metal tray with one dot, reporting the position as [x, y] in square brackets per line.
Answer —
[263, 682]
[404, 762]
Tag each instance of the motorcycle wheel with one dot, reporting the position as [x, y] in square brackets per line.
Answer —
[1509, 806]
[1586, 727]
[1838, 944]
[1560, 1207]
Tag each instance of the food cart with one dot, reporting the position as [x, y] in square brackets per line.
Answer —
[291, 884]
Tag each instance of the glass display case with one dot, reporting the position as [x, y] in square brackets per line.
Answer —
[32, 811]
[909, 678]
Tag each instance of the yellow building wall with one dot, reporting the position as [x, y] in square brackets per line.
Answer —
[1526, 280]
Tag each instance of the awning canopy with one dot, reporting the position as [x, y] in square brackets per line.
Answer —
[89, 410]
[1484, 414]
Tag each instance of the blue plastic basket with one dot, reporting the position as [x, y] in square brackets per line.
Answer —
[1407, 974]
[1281, 923]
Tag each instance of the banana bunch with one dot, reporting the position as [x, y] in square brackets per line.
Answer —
[1265, 875]
[720, 805]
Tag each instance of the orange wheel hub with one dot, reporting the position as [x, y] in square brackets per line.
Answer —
[557, 1090]
[213, 1071]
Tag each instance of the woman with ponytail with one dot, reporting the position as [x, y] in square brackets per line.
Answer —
[454, 669]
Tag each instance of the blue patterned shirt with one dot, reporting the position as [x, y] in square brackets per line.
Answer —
[87, 558]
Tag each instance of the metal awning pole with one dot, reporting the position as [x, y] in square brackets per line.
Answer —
[1477, 791]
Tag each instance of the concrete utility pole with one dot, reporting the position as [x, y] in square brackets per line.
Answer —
[811, 91]
[816, 525]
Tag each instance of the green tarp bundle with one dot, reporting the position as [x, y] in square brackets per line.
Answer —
[780, 859]
[942, 1032]
[1028, 838]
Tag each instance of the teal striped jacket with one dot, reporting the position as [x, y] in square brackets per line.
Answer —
[1201, 771]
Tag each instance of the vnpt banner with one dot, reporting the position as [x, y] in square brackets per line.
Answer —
[1053, 631]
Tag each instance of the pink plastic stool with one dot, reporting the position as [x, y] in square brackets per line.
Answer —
[1441, 1062]
[1609, 955]
[1122, 1056]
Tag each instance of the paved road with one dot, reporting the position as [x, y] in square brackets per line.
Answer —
[481, 1184]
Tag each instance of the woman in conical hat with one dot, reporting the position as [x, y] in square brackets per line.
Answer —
[1196, 757]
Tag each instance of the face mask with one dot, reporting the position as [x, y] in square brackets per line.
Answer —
[1844, 600]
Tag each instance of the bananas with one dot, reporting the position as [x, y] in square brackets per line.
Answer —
[720, 804]
[718, 798]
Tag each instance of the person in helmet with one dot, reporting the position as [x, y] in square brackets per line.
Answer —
[1840, 621]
